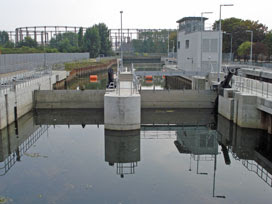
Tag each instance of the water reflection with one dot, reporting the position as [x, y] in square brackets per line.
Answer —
[250, 146]
[14, 143]
[203, 154]
[122, 150]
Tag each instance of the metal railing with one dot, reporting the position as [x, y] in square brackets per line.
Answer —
[12, 158]
[11, 83]
[251, 86]
[259, 170]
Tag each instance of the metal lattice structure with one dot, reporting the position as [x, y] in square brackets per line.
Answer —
[43, 34]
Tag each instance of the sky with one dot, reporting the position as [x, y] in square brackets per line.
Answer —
[136, 14]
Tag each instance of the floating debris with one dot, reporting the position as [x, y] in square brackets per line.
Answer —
[5, 199]
[35, 155]
[89, 186]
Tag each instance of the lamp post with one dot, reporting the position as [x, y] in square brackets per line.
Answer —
[168, 45]
[230, 34]
[251, 32]
[121, 12]
[219, 43]
[202, 29]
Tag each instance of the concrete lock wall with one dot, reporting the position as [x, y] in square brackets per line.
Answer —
[177, 99]
[61, 99]
[23, 95]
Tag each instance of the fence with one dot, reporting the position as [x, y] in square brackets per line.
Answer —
[254, 64]
[252, 86]
[18, 62]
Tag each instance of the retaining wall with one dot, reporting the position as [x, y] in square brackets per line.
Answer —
[21, 95]
[70, 99]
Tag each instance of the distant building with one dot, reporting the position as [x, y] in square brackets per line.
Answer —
[189, 51]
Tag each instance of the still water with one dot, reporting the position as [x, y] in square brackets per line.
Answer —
[84, 80]
[178, 156]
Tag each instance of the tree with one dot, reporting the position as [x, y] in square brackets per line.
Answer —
[268, 43]
[80, 37]
[105, 43]
[259, 51]
[66, 42]
[173, 37]
[4, 37]
[28, 42]
[237, 27]
[92, 41]
[152, 42]
[243, 49]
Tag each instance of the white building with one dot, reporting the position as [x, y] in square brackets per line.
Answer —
[192, 55]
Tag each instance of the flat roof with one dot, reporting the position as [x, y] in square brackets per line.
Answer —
[191, 18]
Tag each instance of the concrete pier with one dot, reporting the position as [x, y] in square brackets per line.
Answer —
[122, 106]
[247, 110]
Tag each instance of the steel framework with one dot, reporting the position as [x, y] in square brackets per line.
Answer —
[43, 34]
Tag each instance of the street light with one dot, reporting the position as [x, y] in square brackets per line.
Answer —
[202, 29]
[250, 31]
[168, 45]
[219, 43]
[121, 12]
[230, 34]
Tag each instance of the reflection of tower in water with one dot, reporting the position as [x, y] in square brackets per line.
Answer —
[201, 143]
[122, 148]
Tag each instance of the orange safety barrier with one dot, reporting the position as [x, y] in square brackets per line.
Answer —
[148, 77]
[93, 78]
[148, 81]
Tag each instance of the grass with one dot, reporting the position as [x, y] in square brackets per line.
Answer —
[84, 63]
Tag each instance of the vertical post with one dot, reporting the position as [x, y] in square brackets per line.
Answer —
[251, 43]
[219, 47]
[251, 47]
[202, 29]
[168, 45]
[219, 43]
[230, 46]
[121, 12]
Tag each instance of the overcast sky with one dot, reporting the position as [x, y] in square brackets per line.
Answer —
[137, 14]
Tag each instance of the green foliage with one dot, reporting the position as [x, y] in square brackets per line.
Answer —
[80, 38]
[4, 38]
[154, 42]
[237, 27]
[95, 41]
[268, 43]
[173, 37]
[244, 48]
[9, 44]
[28, 42]
[66, 42]
[105, 44]
[83, 63]
[23, 50]
[92, 41]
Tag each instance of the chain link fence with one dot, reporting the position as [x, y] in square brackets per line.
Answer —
[19, 62]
